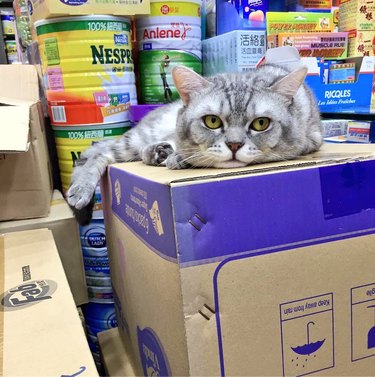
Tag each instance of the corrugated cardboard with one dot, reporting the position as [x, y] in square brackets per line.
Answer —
[66, 234]
[116, 354]
[25, 177]
[41, 333]
[260, 271]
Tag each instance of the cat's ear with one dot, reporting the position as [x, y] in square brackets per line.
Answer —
[188, 82]
[288, 85]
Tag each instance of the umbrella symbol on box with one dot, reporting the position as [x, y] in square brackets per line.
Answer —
[309, 347]
[371, 333]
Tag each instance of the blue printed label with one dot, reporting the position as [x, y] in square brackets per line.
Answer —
[147, 46]
[121, 39]
[154, 360]
[93, 235]
[145, 207]
[73, 2]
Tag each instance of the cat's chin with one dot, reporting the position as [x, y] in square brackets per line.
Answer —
[229, 164]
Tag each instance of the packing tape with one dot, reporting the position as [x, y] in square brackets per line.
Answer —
[2, 261]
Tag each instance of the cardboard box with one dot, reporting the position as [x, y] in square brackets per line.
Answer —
[321, 45]
[308, 5]
[116, 354]
[361, 42]
[25, 177]
[236, 51]
[260, 271]
[357, 14]
[41, 9]
[41, 333]
[361, 131]
[296, 22]
[352, 97]
[66, 234]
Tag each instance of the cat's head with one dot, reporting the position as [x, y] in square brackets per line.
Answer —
[233, 120]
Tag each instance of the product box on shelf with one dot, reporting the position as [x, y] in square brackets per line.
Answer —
[361, 42]
[349, 97]
[210, 285]
[308, 5]
[357, 15]
[116, 354]
[361, 131]
[236, 51]
[296, 22]
[41, 9]
[26, 184]
[234, 15]
[321, 45]
[41, 333]
[64, 227]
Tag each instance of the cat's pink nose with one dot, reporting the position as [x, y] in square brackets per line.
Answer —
[234, 147]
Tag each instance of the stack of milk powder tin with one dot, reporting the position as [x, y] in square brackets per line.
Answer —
[171, 35]
[90, 84]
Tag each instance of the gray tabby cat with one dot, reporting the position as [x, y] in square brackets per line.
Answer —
[224, 121]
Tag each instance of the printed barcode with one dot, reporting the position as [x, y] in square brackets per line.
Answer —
[58, 114]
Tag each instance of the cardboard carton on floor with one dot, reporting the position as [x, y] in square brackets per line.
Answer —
[41, 333]
[25, 177]
[41, 9]
[66, 234]
[116, 354]
[259, 271]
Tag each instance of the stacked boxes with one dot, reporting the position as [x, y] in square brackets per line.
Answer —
[358, 18]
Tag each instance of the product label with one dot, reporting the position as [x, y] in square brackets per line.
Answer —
[27, 294]
[153, 357]
[93, 56]
[155, 69]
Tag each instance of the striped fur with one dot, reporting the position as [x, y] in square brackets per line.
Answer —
[175, 135]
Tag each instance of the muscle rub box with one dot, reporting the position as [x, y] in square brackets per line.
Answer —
[296, 22]
[322, 45]
[260, 271]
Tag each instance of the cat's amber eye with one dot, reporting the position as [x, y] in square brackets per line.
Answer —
[212, 121]
[260, 124]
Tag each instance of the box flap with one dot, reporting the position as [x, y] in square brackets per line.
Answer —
[14, 128]
[19, 82]
[34, 289]
[329, 153]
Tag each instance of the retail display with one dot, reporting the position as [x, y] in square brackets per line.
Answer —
[263, 270]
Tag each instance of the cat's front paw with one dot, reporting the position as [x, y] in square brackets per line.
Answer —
[176, 162]
[79, 194]
[156, 154]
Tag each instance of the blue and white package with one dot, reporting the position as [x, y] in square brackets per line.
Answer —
[95, 266]
[94, 251]
[99, 281]
[93, 235]
[100, 295]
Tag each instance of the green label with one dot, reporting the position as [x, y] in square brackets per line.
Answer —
[51, 51]
[94, 25]
[90, 133]
[155, 67]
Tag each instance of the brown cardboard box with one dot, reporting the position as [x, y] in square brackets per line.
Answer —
[41, 9]
[116, 354]
[41, 333]
[66, 234]
[25, 177]
[259, 271]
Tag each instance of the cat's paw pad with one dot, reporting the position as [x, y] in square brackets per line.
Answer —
[156, 154]
[176, 162]
[79, 195]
